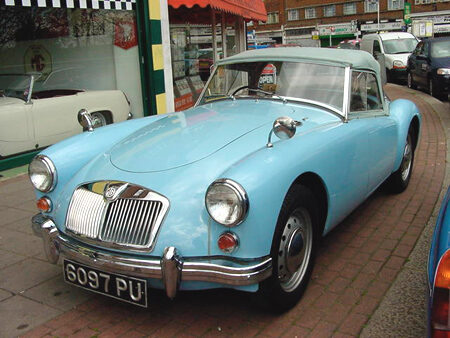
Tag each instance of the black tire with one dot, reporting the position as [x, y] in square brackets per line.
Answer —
[410, 81]
[399, 180]
[293, 250]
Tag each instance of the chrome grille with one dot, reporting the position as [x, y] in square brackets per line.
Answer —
[129, 221]
[131, 218]
[85, 213]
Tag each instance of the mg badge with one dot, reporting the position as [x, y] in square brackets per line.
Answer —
[109, 193]
[113, 191]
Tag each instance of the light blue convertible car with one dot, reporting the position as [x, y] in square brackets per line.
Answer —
[236, 192]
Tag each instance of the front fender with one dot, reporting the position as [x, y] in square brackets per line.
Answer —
[403, 112]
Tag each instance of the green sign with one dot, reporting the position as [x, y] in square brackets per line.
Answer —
[407, 13]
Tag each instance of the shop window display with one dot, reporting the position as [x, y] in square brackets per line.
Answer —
[73, 48]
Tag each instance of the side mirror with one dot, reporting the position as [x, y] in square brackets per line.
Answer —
[85, 120]
[284, 128]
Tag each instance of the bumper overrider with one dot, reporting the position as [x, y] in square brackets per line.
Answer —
[171, 268]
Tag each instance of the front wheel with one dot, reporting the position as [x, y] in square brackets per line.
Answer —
[399, 180]
[293, 250]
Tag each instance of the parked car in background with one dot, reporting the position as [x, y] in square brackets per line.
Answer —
[235, 192]
[394, 47]
[349, 44]
[429, 67]
[439, 275]
[32, 118]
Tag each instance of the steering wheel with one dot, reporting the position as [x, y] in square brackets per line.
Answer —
[239, 89]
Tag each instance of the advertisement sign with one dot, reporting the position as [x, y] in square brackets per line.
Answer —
[407, 13]
[384, 26]
[340, 28]
[422, 28]
[38, 60]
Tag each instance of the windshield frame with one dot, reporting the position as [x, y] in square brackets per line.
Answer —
[32, 78]
[342, 114]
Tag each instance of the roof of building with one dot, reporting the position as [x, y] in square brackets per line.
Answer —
[339, 57]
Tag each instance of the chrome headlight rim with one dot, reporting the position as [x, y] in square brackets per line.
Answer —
[50, 168]
[241, 195]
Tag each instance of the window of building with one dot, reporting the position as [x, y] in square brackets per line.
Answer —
[310, 13]
[395, 5]
[73, 49]
[293, 14]
[329, 10]
[370, 6]
[349, 8]
[272, 17]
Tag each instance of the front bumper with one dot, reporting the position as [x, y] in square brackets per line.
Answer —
[171, 268]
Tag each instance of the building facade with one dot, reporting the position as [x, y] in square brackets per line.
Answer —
[319, 23]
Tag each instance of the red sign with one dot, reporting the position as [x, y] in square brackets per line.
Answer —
[184, 102]
[125, 35]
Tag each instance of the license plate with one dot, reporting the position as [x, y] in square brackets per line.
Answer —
[128, 289]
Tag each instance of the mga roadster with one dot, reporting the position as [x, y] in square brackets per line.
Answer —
[236, 192]
[34, 115]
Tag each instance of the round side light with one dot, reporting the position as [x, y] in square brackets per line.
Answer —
[228, 242]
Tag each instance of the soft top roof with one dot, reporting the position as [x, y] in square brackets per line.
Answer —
[357, 59]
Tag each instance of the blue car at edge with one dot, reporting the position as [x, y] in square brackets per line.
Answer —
[236, 192]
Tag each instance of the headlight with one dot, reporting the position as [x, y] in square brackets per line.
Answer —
[226, 202]
[443, 71]
[42, 173]
[399, 64]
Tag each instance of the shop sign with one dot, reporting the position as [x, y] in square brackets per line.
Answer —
[38, 60]
[407, 13]
[437, 19]
[315, 35]
[268, 75]
[422, 29]
[338, 29]
[125, 35]
[384, 26]
[185, 99]
[442, 28]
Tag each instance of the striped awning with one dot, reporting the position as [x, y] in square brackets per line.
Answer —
[248, 9]
[95, 4]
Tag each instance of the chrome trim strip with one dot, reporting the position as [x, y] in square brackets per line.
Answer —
[347, 93]
[216, 269]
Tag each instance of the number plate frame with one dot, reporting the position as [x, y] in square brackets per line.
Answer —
[109, 284]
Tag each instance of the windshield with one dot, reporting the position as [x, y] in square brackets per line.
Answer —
[398, 46]
[440, 49]
[278, 79]
[15, 86]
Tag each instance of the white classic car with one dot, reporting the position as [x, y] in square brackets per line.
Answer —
[33, 119]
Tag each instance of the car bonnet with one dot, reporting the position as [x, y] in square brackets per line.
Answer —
[186, 137]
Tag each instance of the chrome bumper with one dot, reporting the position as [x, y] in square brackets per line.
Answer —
[170, 268]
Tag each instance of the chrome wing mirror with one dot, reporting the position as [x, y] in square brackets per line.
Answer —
[85, 120]
[284, 128]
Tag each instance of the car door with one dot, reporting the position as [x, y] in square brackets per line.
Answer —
[412, 62]
[16, 130]
[368, 113]
[422, 66]
[55, 119]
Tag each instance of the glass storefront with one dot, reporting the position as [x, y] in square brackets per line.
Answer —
[192, 52]
[73, 49]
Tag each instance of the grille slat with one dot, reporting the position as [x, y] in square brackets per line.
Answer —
[128, 222]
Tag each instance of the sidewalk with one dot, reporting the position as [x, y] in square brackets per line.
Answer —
[354, 286]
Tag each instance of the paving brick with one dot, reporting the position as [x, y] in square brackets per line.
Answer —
[296, 331]
[353, 323]
[323, 329]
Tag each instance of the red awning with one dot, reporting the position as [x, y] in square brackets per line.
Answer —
[248, 9]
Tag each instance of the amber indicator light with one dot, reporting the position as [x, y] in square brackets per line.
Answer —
[227, 242]
[44, 204]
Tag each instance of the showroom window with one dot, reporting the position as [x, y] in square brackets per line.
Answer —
[329, 10]
[80, 49]
[370, 6]
[310, 13]
[395, 5]
[293, 14]
[349, 8]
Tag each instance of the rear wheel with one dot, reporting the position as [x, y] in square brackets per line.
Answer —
[293, 250]
[399, 180]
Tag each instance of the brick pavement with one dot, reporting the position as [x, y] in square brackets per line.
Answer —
[357, 263]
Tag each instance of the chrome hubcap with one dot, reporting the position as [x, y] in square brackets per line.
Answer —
[406, 163]
[295, 249]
